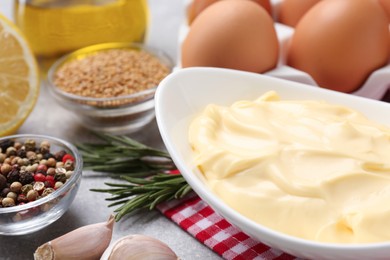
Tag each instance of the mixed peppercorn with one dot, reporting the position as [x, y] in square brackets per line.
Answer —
[29, 171]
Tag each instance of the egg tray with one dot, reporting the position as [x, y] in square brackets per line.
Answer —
[375, 86]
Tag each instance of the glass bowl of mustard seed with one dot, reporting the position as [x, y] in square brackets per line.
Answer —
[110, 86]
[39, 179]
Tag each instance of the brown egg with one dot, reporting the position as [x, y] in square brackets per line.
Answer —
[236, 34]
[340, 43]
[291, 11]
[197, 6]
[386, 6]
[266, 4]
[389, 45]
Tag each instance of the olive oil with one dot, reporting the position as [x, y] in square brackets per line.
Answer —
[56, 27]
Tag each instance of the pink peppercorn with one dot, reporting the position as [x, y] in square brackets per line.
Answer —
[42, 168]
[49, 181]
[67, 157]
[39, 177]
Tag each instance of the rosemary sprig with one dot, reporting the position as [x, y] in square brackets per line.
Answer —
[121, 154]
[140, 193]
[144, 169]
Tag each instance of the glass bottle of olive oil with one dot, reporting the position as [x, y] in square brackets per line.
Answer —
[56, 27]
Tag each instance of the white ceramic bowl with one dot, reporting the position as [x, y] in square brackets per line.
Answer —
[186, 92]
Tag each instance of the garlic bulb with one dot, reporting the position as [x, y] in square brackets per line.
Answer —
[139, 247]
[87, 243]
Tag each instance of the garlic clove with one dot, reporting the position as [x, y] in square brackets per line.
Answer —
[139, 247]
[87, 243]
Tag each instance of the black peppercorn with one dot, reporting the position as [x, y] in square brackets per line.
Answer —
[60, 176]
[13, 175]
[10, 151]
[59, 155]
[48, 155]
[4, 192]
[26, 177]
[30, 145]
[3, 182]
[6, 143]
[33, 158]
[21, 153]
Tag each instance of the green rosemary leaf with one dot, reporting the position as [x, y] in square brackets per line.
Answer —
[159, 199]
[182, 191]
[168, 178]
[145, 193]
[131, 143]
[136, 180]
[121, 139]
[145, 188]
[185, 191]
[171, 182]
[161, 192]
[143, 170]
[113, 167]
[122, 161]
[139, 174]
[121, 196]
[118, 203]
[121, 154]
[123, 185]
[112, 191]
[130, 189]
[134, 203]
[131, 205]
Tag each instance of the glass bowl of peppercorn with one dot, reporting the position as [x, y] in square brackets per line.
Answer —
[39, 179]
[110, 87]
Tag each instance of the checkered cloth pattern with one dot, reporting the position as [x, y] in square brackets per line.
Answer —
[193, 215]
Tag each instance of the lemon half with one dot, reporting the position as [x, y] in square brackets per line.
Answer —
[19, 78]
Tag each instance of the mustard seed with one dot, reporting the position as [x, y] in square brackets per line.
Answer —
[111, 73]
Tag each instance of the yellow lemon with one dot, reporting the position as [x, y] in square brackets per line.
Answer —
[19, 78]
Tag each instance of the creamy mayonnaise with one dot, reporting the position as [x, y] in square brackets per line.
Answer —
[310, 169]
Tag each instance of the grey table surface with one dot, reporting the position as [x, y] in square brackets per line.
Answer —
[89, 207]
[51, 119]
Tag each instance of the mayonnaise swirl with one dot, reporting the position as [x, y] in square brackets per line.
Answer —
[310, 169]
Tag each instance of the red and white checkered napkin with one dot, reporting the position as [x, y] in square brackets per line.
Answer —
[197, 218]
